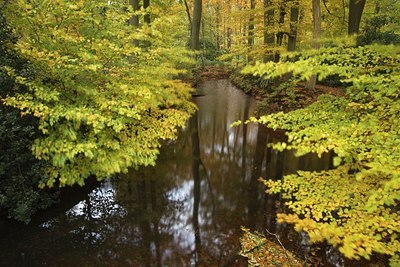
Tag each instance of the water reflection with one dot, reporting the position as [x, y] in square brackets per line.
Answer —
[186, 211]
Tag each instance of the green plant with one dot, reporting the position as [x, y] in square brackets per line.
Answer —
[103, 104]
[355, 206]
[20, 172]
[378, 30]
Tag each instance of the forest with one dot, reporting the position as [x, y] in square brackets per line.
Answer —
[93, 89]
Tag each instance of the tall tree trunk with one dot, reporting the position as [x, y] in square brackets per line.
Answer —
[146, 4]
[281, 21]
[377, 8]
[218, 22]
[229, 37]
[250, 39]
[146, 19]
[294, 22]
[203, 33]
[316, 8]
[269, 37]
[195, 38]
[134, 20]
[356, 8]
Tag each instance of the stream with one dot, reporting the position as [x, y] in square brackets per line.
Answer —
[185, 211]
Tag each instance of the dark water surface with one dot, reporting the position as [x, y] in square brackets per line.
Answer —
[186, 211]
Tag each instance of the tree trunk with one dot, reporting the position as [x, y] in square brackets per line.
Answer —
[294, 22]
[229, 38]
[250, 34]
[356, 9]
[316, 8]
[218, 25]
[250, 40]
[377, 8]
[269, 37]
[279, 35]
[203, 33]
[134, 20]
[146, 4]
[195, 38]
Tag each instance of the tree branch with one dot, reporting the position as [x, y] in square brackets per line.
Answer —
[330, 13]
[280, 243]
[188, 13]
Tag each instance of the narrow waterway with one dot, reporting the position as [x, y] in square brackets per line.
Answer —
[185, 211]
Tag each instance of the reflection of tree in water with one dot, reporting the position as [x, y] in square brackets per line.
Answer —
[234, 159]
[100, 227]
[274, 165]
[189, 208]
[196, 187]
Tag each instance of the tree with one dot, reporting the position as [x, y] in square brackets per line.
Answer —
[250, 40]
[316, 7]
[103, 104]
[146, 4]
[294, 21]
[20, 172]
[380, 27]
[356, 8]
[134, 20]
[269, 36]
[196, 23]
[361, 128]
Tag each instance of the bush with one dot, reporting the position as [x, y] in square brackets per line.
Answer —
[20, 172]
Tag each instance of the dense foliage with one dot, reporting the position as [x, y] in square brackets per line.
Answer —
[103, 104]
[354, 206]
[377, 30]
[20, 172]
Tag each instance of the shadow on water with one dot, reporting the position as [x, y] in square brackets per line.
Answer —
[186, 211]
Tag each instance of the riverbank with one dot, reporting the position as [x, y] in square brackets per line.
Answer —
[277, 96]
[273, 96]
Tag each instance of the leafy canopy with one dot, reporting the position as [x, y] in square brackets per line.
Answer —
[354, 206]
[103, 104]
